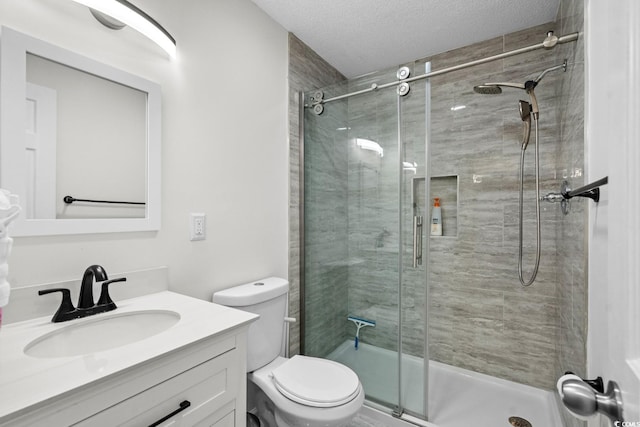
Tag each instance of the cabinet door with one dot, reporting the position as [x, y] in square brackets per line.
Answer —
[228, 420]
[210, 388]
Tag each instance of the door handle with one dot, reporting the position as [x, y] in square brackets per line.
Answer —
[183, 405]
[584, 400]
[417, 241]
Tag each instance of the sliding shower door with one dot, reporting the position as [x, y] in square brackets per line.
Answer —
[414, 211]
[364, 284]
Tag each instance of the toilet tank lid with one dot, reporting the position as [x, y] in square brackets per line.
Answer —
[252, 293]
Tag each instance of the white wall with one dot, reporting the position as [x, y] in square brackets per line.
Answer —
[224, 143]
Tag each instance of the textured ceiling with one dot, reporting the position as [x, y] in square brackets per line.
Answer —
[360, 36]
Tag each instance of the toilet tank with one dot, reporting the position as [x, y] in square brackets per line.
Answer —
[267, 298]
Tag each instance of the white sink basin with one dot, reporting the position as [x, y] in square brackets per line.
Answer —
[101, 333]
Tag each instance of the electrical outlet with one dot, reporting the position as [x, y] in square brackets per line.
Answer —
[197, 226]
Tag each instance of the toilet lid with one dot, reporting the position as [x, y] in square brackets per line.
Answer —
[316, 382]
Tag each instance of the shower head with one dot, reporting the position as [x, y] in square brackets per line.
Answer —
[529, 85]
[488, 89]
[495, 88]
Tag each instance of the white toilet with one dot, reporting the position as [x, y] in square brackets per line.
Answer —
[296, 392]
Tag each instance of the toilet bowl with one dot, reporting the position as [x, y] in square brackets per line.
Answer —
[308, 391]
[298, 392]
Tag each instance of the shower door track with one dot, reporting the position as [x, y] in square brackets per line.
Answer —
[561, 40]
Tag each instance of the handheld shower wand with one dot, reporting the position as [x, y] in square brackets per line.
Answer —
[525, 114]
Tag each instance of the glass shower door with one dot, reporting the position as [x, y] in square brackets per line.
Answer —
[374, 242]
[363, 162]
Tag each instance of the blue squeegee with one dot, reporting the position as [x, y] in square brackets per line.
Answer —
[360, 323]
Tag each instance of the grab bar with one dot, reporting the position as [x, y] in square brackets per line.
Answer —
[70, 199]
[417, 241]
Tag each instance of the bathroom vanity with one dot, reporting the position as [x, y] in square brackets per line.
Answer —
[191, 373]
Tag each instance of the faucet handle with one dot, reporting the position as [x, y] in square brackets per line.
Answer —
[66, 311]
[105, 299]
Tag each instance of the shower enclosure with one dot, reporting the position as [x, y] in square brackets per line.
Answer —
[382, 295]
[365, 164]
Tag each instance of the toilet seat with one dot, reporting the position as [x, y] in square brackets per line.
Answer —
[319, 383]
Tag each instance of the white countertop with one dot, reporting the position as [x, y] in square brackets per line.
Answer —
[27, 381]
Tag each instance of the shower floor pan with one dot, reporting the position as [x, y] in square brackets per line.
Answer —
[457, 397]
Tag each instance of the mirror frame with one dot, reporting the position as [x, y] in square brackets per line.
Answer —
[14, 47]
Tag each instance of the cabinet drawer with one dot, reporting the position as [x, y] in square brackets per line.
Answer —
[229, 420]
[211, 389]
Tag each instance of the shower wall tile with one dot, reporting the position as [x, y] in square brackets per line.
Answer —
[571, 236]
[519, 328]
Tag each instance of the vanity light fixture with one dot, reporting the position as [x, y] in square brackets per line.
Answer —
[135, 18]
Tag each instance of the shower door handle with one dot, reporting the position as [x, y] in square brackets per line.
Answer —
[417, 241]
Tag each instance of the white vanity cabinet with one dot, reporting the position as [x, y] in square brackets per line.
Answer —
[201, 360]
[210, 375]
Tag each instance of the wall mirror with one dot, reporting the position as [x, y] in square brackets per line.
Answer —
[72, 127]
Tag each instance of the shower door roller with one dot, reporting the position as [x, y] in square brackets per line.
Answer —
[318, 109]
[317, 96]
[403, 73]
[403, 89]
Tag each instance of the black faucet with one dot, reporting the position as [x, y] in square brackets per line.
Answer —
[86, 305]
[85, 301]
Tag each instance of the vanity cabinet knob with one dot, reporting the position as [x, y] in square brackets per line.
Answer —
[183, 405]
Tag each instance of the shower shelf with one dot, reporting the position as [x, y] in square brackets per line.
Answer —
[445, 187]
